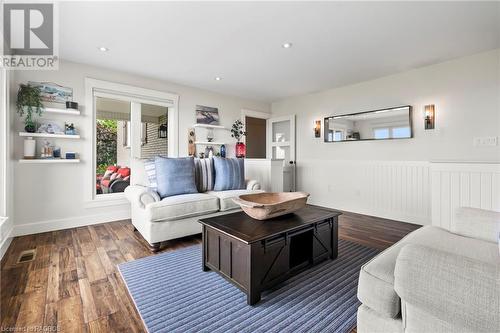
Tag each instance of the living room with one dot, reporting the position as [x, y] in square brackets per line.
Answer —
[258, 156]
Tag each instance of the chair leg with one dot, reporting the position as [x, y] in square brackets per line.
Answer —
[155, 247]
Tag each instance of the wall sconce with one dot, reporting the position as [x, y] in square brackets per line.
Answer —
[317, 129]
[162, 131]
[430, 116]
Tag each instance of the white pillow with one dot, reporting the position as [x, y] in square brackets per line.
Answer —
[477, 223]
[138, 172]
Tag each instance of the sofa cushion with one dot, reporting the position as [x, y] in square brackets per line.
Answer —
[477, 223]
[182, 206]
[124, 172]
[376, 280]
[174, 176]
[204, 174]
[226, 197]
[229, 174]
[370, 321]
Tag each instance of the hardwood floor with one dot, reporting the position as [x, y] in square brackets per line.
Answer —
[73, 284]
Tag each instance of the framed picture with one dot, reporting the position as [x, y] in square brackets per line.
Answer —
[53, 93]
[50, 127]
[207, 115]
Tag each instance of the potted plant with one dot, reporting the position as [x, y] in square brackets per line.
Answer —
[237, 132]
[29, 102]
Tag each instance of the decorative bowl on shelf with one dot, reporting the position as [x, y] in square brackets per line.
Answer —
[264, 206]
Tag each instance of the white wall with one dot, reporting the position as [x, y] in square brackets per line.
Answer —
[6, 220]
[391, 178]
[49, 197]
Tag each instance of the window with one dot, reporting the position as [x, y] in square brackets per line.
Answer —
[338, 136]
[401, 132]
[143, 108]
[392, 132]
[112, 145]
[381, 133]
[115, 138]
[152, 117]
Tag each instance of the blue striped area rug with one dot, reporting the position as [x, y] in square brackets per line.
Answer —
[173, 294]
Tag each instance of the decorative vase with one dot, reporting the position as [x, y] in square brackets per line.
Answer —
[29, 148]
[210, 135]
[240, 149]
[30, 128]
[222, 151]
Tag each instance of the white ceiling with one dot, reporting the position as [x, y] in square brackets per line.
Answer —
[334, 43]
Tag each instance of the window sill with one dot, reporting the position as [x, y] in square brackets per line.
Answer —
[107, 200]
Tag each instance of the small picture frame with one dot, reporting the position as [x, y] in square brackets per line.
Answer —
[207, 115]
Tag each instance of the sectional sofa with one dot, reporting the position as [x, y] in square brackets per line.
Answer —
[436, 280]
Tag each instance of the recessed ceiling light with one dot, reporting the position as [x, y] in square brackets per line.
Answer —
[218, 78]
[103, 49]
[287, 45]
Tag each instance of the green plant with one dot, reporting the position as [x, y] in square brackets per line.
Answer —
[106, 144]
[29, 102]
[237, 130]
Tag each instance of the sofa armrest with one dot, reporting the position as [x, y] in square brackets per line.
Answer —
[252, 184]
[453, 288]
[141, 195]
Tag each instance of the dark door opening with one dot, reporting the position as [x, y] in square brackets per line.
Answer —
[256, 137]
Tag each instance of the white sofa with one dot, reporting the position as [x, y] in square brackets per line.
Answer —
[436, 280]
[177, 216]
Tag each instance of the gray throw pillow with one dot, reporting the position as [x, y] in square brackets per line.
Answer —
[174, 176]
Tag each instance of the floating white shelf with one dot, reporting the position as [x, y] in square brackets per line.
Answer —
[206, 143]
[210, 126]
[73, 112]
[47, 135]
[48, 160]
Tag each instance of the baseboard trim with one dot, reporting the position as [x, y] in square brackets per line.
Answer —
[5, 236]
[396, 216]
[61, 224]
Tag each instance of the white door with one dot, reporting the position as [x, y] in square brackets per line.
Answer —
[281, 146]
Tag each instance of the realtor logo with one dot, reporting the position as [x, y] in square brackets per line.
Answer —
[29, 36]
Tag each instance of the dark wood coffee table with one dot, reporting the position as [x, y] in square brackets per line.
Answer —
[256, 255]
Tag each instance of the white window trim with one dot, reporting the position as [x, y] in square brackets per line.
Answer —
[129, 93]
[4, 142]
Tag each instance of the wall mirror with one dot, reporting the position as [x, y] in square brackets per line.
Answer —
[384, 124]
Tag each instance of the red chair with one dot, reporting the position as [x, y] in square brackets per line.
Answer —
[115, 180]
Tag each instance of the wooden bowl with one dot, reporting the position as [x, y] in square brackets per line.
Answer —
[263, 206]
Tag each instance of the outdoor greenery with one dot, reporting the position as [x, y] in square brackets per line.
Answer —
[29, 102]
[106, 141]
[237, 130]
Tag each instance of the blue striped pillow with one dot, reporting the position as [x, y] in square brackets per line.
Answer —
[174, 176]
[229, 174]
[204, 174]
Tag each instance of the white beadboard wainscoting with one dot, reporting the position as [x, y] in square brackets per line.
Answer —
[268, 172]
[398, 190]
[456, 185]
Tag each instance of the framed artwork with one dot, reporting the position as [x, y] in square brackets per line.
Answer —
[207, 115]
[50, 127]
[53, 93]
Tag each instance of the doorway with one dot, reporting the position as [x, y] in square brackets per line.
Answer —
[256, 137]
